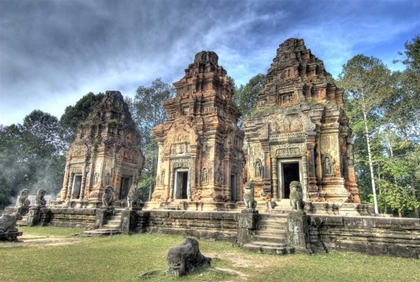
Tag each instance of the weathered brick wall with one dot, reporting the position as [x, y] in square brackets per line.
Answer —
[205, 225]
[371, 235]
[69, 217]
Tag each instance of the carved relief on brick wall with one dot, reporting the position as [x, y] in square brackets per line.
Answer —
[288, 150]
[330, 158]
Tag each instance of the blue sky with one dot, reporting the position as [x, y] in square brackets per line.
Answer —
[54, 52]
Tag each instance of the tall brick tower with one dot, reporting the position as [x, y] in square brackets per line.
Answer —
[200, 145]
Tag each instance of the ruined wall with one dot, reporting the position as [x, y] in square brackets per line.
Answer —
[369, 235]
[219, 226]
[363, 234]
[70, 217]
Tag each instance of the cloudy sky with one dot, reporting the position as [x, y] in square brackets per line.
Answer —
[54, 52]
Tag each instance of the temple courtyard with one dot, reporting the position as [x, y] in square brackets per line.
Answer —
[56, 254]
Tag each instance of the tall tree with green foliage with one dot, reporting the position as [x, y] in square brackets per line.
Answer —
[402, 114]
[368, 83]
[246, 95]
[31, 156]
[74, 115]
[149, 112]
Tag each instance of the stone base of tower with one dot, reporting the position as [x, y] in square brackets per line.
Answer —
[184, 204]
[275, 207]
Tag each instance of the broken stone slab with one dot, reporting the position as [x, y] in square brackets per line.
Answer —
[185, 258]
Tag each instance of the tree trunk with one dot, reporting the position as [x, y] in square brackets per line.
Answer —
[416, 210]
[372, 175]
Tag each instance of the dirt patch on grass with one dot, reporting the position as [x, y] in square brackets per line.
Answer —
[30, 239]
[238, 261]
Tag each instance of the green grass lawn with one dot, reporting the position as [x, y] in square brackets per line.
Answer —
[125, 258]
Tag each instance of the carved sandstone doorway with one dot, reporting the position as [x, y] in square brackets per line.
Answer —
[288, 170]
[124, 187]
[181, 184]
[77, 184]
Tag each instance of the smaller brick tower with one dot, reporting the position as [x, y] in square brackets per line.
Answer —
[105, 153]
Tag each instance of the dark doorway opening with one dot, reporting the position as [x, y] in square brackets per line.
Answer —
[124, 187]
[77, 185]
[233, 192]
[181, 185]
[290, 173]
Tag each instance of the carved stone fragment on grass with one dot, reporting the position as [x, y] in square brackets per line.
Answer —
[185, 258]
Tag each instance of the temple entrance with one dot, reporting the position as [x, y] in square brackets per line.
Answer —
[181, 184]
[289, 170]
[124, 187]
[77, 184]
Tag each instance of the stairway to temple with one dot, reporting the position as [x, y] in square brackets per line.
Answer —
[270, 237]
[23, 221]
[112, 227]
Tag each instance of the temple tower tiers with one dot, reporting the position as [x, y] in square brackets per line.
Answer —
[299, 131]
[105, 153]
[200, 146]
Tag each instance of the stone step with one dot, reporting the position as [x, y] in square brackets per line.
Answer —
[267, 248]
[269, 237]
[111, 226]
[101, 232]
[270, 231]
[271, 216]
[265, 225]
[114, 221]
[23, 221]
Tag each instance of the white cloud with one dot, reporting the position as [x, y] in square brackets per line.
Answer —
[53, 53]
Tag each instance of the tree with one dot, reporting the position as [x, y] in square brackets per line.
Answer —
[412, 53]
[246, 95]
[149, 112]
[31, 156]
[402, 113]
[74, 115]
[368, 83]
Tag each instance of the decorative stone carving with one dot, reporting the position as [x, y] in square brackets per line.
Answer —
[258, 169]
[22, 200]
[133, 198]
[108, 197]
[296, 196]
[39, 198]
[327, 165]
[186, 258]
[249, 201]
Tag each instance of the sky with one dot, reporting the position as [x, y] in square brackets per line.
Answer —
[52, 52]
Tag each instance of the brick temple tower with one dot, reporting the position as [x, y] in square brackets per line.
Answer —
[299, 131]
[105, 153]
[200, 160]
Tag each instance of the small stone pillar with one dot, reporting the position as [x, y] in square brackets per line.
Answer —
[247, 220]
[297, 230]
[102, 214]
[34, 215]
[129, 220]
